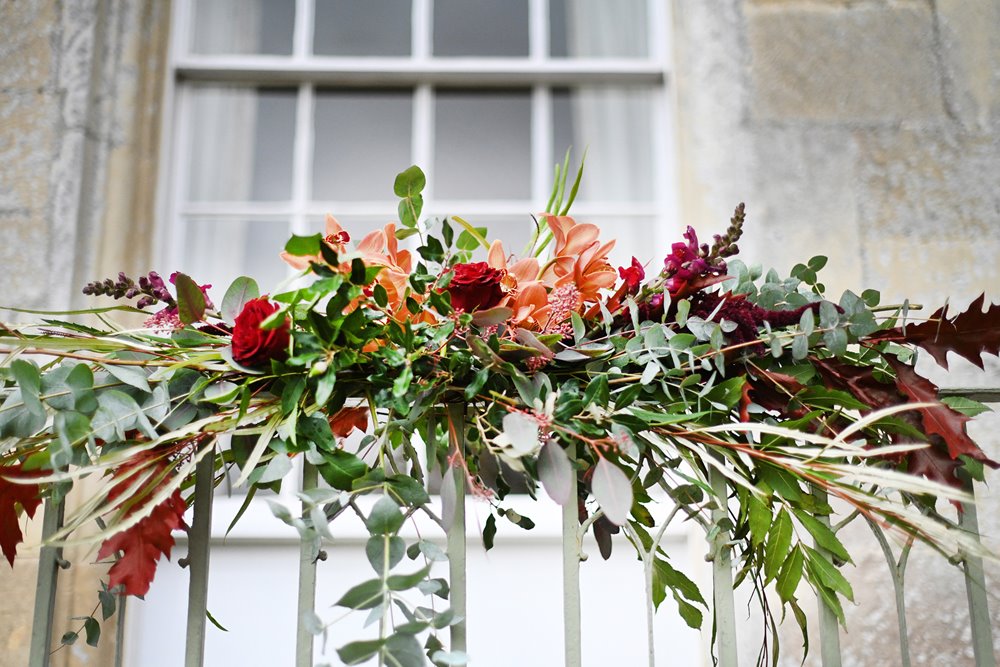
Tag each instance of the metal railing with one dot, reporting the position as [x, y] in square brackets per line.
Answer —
[719, 549]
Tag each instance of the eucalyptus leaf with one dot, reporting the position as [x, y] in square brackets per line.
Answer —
[556, 472]
[613, 491]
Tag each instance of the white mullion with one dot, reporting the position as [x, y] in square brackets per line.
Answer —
[422, 30]
[664, 128]
[538, 27]
[181, 32]
[303, 31]
[660, 38]
[541, 144]
[302, 159]
[179, 168]
[423, 135]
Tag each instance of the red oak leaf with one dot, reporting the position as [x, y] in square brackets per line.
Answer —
[347, 419]
[142, 545]
[12, 495]
[969, 334]
[939, 419]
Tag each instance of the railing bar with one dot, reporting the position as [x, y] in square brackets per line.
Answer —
[456, 531]
[45, 592]
[829, 628]
[304, 639]
[198, 554]
[975, 589]
[981, 394]
[120, 632]
[571, 548]
[722, 578]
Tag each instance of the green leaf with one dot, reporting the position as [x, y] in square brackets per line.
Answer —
[279, 466]
[824, 536]
[966, 406]
[30, 381]
[358, 652]
[108, 602]
[403, 651]
[472, 231]
[760, 519]
[385, 517]
[779, 539]
[242, 290]
[684, 591]
[555, 472]
[215, 621]
[409, 182]
[339, 469]
[489, 532]
[402, 582]
[826, 574]
[613, 491]
[790, 575]
[304, 246]
[407, 491]
[363, 596]
[130, 375]
[379, 547]
[190, 299]
[69, 638]
[92, 630]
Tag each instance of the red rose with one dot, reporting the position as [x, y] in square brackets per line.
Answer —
[253, 346]
[475, 286]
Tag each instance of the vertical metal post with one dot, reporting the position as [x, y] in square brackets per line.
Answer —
[198, 552]
[722, 577]
[829, 627]
[45, 592]
[456, 531]
[571, 548]
[975, 590]
[308, 554]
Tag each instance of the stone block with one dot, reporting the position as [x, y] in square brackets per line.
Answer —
[803, 203]
[969, 35]
[859, 64]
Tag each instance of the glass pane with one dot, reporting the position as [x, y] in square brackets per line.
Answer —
[482, 145]
[615, 125]
[243, 27]
[219, 251]
[363, 140]
[481, 28]
[634, 236]
[362, 28]
[241, 144]
[514, 231]
[598, 29]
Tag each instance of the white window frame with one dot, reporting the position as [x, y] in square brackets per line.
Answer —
[422, 72]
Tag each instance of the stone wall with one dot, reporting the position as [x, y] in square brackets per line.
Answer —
[81, 92]
[867, 131]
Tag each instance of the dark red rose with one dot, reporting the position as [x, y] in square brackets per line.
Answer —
[475, 286]
[632, 275]
[253, 346]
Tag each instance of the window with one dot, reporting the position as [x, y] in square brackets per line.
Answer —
[286, 110]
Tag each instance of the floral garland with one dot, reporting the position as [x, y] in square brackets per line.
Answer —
[627, 386]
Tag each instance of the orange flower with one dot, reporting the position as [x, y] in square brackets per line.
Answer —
[335, 237]
[380, 248]
[526, 295]
[579, 258]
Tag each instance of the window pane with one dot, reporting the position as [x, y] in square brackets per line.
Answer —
[243, 27]
[362, 28]
[514, 231]
[241, 144]
[634, 236]
[219, 251]
[362, 141]
[481, 28]
[598, 29]
[482, 145]
[615, 125]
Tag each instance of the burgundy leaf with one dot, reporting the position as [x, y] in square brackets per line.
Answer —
[939, 419]
[12, 495]
[969, 334]
[142, 544]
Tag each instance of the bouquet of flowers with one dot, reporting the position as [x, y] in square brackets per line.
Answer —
[739, 400]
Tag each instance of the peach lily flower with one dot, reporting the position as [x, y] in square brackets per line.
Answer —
[526, 295]
[579, 258]
[334, 236]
